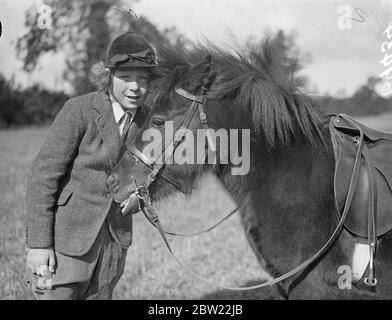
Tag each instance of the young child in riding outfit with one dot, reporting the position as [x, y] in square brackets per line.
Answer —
[76, 234]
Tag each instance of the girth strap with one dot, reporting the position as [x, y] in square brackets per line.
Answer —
[372, 213]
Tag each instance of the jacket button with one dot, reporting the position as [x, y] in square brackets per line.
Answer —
[111, 179]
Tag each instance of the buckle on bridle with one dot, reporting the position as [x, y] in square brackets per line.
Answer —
[142, 193]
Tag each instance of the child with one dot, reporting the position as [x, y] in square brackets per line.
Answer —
[75, 230]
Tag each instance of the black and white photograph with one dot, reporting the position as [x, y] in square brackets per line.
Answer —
[195, 154]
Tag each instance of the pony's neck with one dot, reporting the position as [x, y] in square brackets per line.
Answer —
[289, 205]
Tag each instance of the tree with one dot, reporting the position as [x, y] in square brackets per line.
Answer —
[368, 90]
[83, 29]
[33, 105]
[11, 103]
[364, 101]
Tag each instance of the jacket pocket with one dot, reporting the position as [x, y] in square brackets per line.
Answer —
[64, 196]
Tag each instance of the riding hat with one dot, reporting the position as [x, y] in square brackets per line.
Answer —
[130, 50]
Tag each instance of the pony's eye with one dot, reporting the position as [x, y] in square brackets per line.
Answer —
[157, 123]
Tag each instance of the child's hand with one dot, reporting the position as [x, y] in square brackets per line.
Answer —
[38, 261]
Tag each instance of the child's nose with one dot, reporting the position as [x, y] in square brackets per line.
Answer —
[133, 85]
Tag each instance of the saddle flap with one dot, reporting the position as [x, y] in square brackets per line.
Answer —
[380, 152]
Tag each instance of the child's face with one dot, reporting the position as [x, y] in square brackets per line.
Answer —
[130, 86]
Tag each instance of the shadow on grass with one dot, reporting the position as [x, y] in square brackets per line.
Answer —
[268, 293]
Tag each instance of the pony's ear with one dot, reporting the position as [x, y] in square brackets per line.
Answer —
[208, 80]
[204, 67]
[205, 64]
[200, 75]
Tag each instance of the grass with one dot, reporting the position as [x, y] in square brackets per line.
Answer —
[381, 122]
[222, 255]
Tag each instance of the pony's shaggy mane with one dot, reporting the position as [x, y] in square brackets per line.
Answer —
[257, 79]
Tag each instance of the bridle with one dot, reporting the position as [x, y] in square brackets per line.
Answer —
[157, 168]
[198, 103]
[142, 193]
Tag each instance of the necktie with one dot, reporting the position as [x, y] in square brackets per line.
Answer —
[126, 123]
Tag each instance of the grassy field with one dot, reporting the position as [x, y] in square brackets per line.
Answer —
[381, 122]
[222, 255]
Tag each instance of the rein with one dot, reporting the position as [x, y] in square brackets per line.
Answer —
[152, 216]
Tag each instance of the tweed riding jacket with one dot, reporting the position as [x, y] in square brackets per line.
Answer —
[68, 198]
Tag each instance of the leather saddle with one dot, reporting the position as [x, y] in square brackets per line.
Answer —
[370, 211]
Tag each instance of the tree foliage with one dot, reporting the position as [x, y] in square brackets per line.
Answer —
[34, 105]
[364, 101]
[290, 55]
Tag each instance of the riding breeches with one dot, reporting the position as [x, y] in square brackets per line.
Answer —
[91, 276]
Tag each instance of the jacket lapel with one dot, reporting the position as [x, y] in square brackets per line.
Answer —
[137, 123]
[107, 125]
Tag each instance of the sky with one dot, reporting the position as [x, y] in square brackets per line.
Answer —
[342, 56]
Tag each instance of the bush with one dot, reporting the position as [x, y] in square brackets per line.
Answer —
[33, 105]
